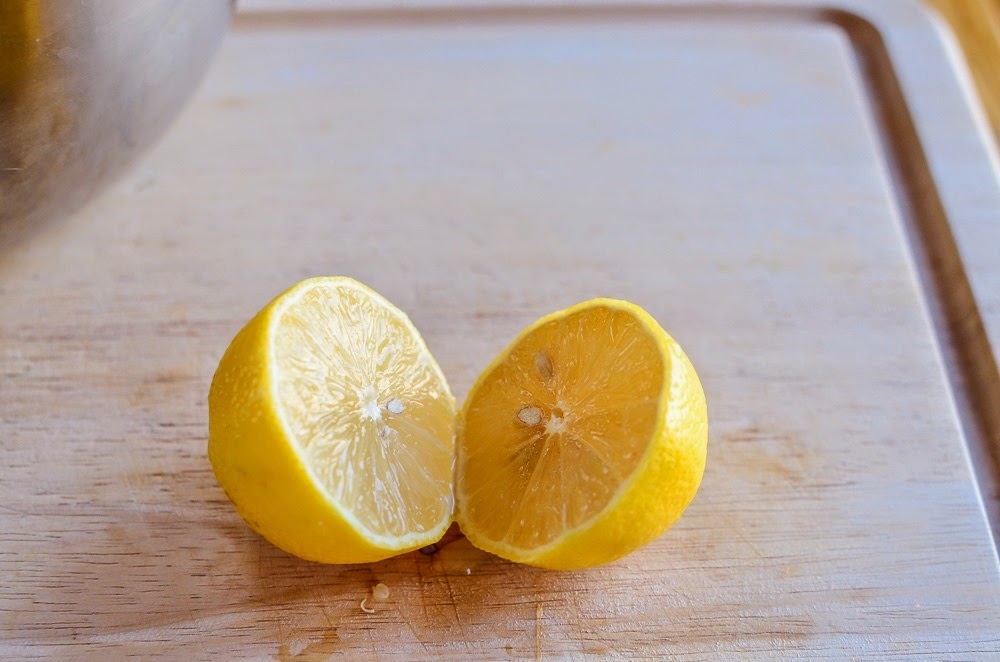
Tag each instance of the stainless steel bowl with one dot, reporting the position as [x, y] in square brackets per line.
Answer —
[85, 85]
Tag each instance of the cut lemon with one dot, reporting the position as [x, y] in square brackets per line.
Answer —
[584, 440]
[332, 428]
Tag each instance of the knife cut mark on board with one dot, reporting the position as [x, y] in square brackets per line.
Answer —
[538, 631]
[454, 608]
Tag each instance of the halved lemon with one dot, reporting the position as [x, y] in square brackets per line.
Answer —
[584, 440]
[332, 428]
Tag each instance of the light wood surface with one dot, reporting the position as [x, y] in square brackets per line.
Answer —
[747, 175]
[976, 24]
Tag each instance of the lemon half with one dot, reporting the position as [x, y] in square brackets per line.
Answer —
[583, 441]
[332, 428]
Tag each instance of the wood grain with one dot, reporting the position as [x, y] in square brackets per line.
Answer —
[976, 24]
[726, 171]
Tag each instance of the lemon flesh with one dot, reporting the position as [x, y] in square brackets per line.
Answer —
[332, 428]
[584, 440]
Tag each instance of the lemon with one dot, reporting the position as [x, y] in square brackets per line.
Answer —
[332, 428]
[583, 441]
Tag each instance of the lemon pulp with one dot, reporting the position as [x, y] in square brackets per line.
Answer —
[369, 414]
[557, 427]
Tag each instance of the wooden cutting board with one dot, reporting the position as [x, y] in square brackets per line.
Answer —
[801, 195]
